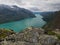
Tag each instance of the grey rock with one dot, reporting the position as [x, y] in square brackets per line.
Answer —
[48, 40]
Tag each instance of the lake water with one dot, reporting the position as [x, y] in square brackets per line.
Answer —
[22, 24]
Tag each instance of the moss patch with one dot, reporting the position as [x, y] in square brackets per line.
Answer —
[5, 32]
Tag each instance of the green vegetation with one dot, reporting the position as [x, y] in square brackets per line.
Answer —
[5, 32]
[58, 36]
[51, 33]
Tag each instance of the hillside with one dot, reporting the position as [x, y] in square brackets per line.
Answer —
[47, 16]
[13, 13]
[55, 22]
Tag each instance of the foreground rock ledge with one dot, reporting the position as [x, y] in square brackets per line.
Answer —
[31, 36]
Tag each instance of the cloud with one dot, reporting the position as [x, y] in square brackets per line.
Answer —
[35, 5]
[10, 2]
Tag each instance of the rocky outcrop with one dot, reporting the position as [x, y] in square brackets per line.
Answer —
[31, 36]
[5, 32]
[13, 13]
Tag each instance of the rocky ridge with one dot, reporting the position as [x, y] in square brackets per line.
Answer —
[31, 36]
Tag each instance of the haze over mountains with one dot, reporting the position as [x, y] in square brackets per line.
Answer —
[11, 13]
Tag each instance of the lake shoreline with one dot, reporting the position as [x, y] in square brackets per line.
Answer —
[25, 23]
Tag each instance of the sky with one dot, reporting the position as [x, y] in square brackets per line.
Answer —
[35, 5]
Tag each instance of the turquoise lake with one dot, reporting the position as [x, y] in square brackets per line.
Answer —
[25, 23]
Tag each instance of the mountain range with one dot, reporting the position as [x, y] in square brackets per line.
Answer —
[12, 13]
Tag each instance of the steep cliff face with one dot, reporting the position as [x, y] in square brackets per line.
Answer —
[48, 16]
[12, 13]
[55, 22]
